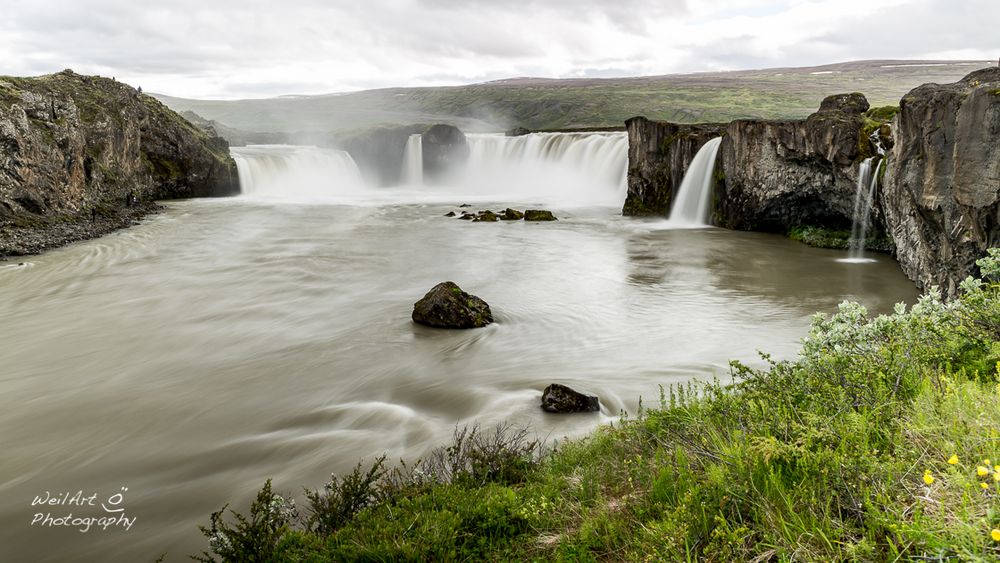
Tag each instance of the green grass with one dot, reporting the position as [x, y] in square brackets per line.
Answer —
[845, 454]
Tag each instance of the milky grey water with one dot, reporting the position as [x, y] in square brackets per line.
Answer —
[227, 341]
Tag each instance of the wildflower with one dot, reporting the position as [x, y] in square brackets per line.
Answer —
[986, 462]
[996, 468]
[928, 478]
[995, 534]
[984, 485]
[996, 476]
[981, 471]
[953, 460]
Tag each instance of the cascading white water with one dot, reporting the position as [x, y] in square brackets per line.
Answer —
[413, 161]
[691, 208]
[564, 168]
[296, 173]
[863, 198]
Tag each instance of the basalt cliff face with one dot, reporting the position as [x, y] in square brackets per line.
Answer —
[659, 153]
[777, 175]
[939, 201]
[83, 149]
[941, 193]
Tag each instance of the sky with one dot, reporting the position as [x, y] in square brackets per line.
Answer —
[229, 49]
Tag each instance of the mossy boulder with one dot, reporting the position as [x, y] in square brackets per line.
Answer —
[486, 216]
[538, 215]
[557, 398]
[447, 306]
[511, 215]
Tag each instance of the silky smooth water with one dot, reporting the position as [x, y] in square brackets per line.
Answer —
[224, 342]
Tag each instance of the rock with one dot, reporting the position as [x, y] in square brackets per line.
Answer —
[511, 215]
[447, 306]
[378, 151]
[853, 103]
[538, 215]
[941, 195]
[518, 131]
[466, 216]
[561, 399]
[659, 154]
[445, 148]
[450, 214]
[465, 205]
[70, 144]
[486, 216]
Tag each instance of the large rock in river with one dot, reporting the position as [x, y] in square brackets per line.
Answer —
[560, 398]
[447, 306]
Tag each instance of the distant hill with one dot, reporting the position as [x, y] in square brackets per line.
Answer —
[543, 103]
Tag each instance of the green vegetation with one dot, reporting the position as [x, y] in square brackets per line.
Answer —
[838, 239]
[540, 104]
[880, 442]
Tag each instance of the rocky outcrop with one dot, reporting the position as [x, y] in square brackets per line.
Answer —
[445, 148]
[447, 306]
[74, 148]
[941, 193]
[776, 175]
[557, 398]
[378, 151]
[659, 154]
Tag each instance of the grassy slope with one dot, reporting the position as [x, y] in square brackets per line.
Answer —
[880, 443]
[546, 104]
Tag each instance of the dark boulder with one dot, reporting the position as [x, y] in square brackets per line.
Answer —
[511, 215]
[538, 215]
[486, 216]
[559, 399]
[518, 132]
[853, 103]
[447, 306]
[450, 214]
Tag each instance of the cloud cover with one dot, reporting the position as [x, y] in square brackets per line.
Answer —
[257, 48]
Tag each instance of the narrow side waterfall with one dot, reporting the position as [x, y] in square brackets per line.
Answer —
[863, 198]
[413, 161]
[296, 173]
[692, 206]
[563, 168]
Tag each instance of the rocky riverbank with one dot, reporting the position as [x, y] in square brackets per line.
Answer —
[81, 156]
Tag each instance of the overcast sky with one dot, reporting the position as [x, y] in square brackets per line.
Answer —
[262, 48]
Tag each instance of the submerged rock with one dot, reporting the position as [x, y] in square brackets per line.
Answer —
[560, 399]
[486, 216]
[466, 216]
[538, 215]
[450, 214]
[447, 306]
[511, 215]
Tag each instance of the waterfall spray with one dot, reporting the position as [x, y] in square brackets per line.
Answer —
[692, 206]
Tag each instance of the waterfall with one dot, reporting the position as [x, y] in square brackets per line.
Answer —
[863, 198]
[296, 172]
[691, 208]
[565, 168]
[413, 161]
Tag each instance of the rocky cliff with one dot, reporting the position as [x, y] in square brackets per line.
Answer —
[778, 175]
[659, 153]
[939, 201]
[75, 149]
[941, 193]
[379, 151]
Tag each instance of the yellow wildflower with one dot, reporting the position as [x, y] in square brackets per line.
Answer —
[928, 478]
[984, 485]
[981, 471]
[986, 462]
[996, 468]
[996, 476]
[995, 534]
[953, 460]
